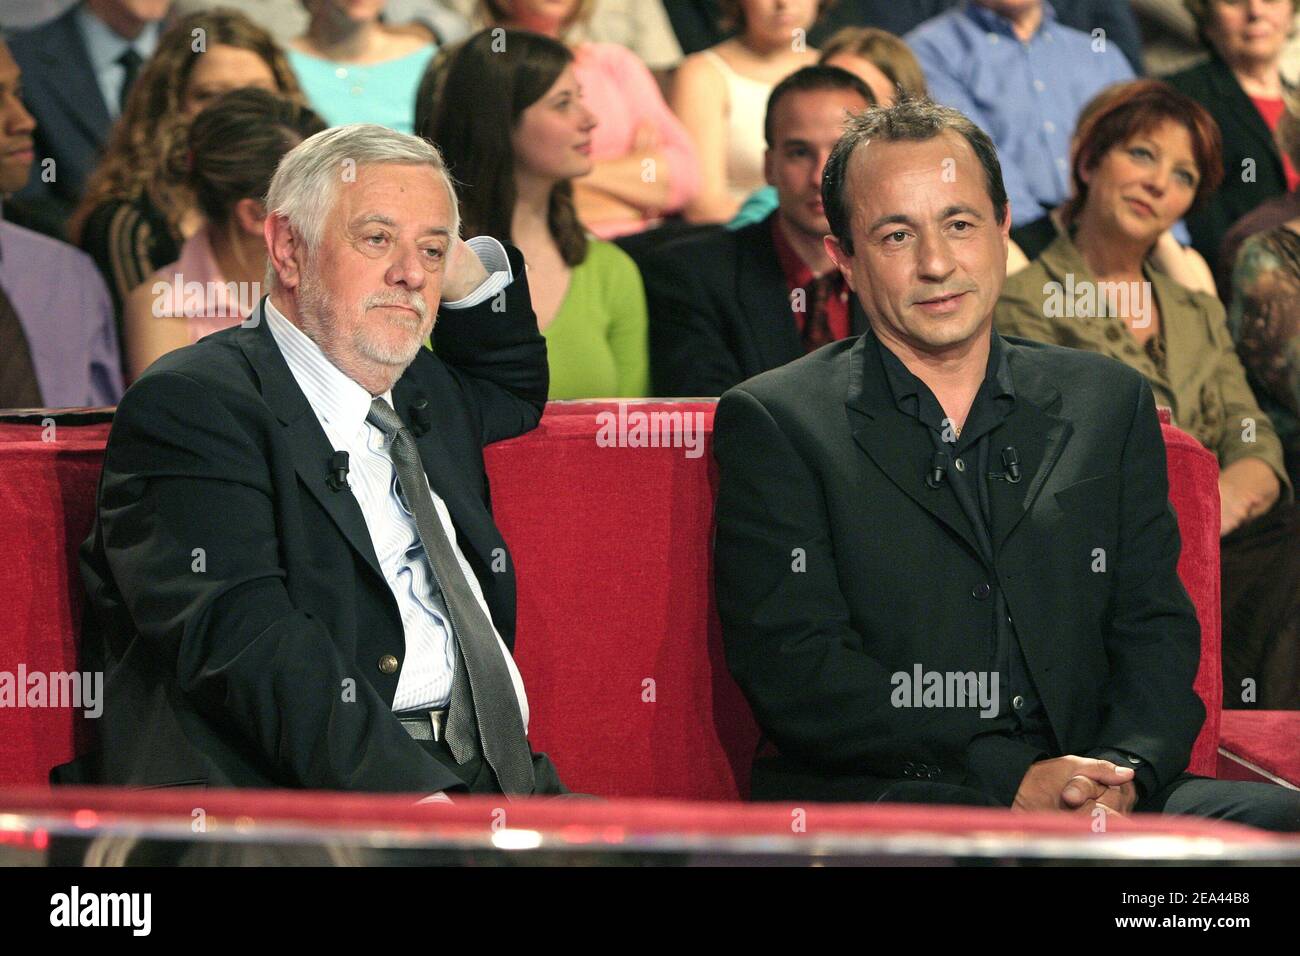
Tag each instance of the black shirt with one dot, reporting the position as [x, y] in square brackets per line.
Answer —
[969, 461]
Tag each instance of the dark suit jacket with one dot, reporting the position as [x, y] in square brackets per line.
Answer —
[1245, 137]
[720, 311]
[72, 120]
[820, 470]
[259, 667]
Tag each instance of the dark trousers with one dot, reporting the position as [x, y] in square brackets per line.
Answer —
[1261, 612]
[1263, 805]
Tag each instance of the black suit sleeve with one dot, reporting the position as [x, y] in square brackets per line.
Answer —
[498, 357]
[1153, 643]
[806, 672]
[689, 353]
[189, 524]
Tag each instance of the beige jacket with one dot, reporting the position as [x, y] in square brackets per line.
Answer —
[1057, 299]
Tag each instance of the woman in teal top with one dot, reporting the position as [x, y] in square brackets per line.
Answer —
[515, 154]
[355, 69]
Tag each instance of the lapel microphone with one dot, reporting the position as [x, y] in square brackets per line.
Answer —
[1010, 466]
[421, 416]
[337, 479]
[938, 468]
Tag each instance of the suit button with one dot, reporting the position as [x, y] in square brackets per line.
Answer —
[908, 769]
[980, 591]
[388, 664]
[960, 465]
[1018, 702]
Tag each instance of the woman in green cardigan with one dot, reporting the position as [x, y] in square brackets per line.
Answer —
[508, 116]
[1140, 162]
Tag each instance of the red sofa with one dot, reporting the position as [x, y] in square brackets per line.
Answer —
[618, 638]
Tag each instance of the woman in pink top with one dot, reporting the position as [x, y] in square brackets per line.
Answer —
[226, 162]
[645, 166]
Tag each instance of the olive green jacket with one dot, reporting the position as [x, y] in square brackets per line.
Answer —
[1058, 300]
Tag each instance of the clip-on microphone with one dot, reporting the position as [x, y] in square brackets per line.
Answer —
[337, 479]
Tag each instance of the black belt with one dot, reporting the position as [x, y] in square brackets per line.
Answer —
[424, 724]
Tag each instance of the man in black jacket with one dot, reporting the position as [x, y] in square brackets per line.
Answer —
[728, 305]
[294, 579]
[946, 561]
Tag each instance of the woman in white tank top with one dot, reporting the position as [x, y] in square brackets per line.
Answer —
[720, 95]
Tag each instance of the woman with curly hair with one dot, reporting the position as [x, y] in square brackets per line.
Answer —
[133, 218]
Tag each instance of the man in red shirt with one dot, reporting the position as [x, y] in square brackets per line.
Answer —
[730, 304]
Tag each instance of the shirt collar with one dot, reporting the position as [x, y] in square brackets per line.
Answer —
[105, 46]
[987, 20]
[797, 273]
[335, 398]
[903, 384]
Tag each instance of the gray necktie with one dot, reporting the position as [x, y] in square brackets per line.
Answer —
[484, 707]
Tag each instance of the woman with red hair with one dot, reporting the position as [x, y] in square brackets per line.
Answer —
[1144, 156]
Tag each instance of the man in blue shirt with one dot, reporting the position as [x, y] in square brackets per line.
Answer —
[1023, 77]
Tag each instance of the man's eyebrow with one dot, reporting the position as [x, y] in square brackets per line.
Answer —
[905, 220]
[382, 220]
[794, 141]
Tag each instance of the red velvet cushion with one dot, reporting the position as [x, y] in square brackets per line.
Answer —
[1261, 744]
[618, 637]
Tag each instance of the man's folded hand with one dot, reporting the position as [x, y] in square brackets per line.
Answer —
[1070, 782]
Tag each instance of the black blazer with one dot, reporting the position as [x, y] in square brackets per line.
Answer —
[1245, 137]
[836, 567]
[720, 311]
[60, 90]
[236, 603]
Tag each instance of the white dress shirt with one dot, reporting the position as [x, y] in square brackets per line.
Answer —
[341, 406]
[105, 47]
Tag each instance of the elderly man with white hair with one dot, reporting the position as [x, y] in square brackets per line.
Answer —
[294, 579]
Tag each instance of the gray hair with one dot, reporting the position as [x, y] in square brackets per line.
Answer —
[910, 119]
[305, 185]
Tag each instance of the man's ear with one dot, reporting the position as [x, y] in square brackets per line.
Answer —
[284, 249]
[843, 261]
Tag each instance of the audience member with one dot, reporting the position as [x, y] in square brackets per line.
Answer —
[641, 26]
[77, 71]
[721, 92]
[287, 19]
[1271, 213]
[882, 61]
[355, 68]
[874, 529]
[226, 162]
[1023, 77]
[730, 304]
[516, 154]
[1142, 161]
[1264, 320]
[1180, 263]
[644, 163]
[132, 219]
[58, 344]
[1241, 87]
